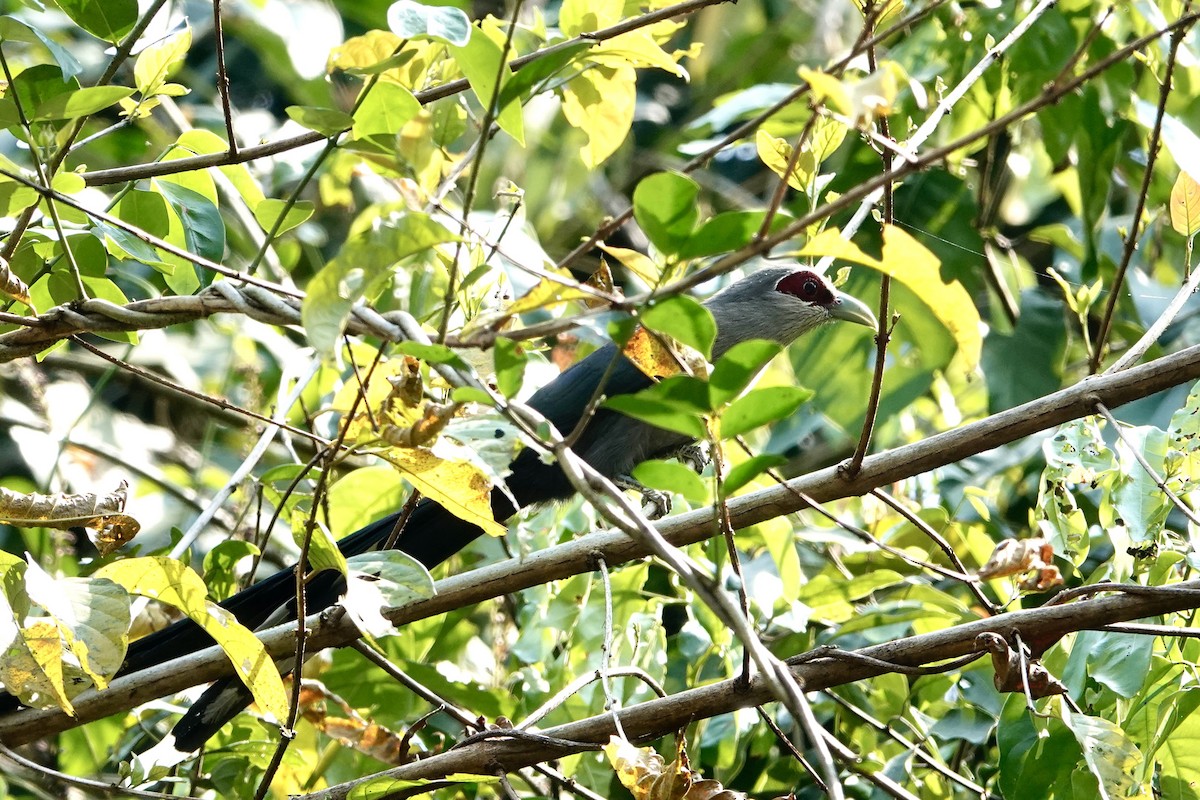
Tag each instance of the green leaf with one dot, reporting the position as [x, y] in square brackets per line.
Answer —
[385, 110]
[410, 20]
[381, 580]
[203, 228]
[8, 113]
[80, 103]
[12, 29]
[267, 213]
[1109, 753]
[671, 476]
[323, 551]
[658, 414]
[469, 394]
[729, 231]
[1179, 751]
[148, 212]
[684, 319]
[664, 205]
[109, 20]
[760, 407]
[221, 565]
[750, 469]
[361, 270]
[383, 786]
[738, 367]
[432, 354]
[525, 79]
[37, 86]
[16, 197]
[675, 404]
[1027, 363]
[1142, 506]
[510, 366]
[325, 121]
[68, 183]
[481, 61]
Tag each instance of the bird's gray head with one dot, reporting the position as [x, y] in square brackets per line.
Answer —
[780, 304]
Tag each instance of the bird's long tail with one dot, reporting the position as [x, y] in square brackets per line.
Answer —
[431, 535]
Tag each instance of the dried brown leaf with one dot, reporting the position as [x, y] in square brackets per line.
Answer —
[101, 513]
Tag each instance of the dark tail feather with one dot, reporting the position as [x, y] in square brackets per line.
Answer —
[431, 536]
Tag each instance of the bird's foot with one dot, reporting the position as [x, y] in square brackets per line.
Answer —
[655, 504]
[695, 455]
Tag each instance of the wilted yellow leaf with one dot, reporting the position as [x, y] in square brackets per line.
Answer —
[101, 514]
[446, 474]
[636, 262]
[548, 293]
[1185, 205]
[649, 354]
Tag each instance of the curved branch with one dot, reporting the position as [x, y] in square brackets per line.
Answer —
[332, 629]
[655, 718]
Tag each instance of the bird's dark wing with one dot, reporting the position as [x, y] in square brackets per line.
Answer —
[431, 536]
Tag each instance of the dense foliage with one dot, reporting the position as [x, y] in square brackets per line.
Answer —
[271, 267]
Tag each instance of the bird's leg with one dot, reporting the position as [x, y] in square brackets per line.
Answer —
[655, 503]
[695, 455]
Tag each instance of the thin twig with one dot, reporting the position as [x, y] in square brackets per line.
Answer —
[1151, 471]
[223, 79]
[1135, 227]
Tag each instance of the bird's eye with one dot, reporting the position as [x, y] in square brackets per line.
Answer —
[806, 286]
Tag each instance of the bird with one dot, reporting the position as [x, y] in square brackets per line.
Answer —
[776, 303]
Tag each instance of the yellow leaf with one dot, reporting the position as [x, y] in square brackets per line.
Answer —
[864, 99]
[445, 473]
[827, 87]
[362, 52]
[637, 49]
[158, 61]
[911, 263]
[1185, 205]
[636, 262]
[600, 101]
[649, 354]
[881, 16]
[584, 16]
[178, 585]
[829, 243]
[548, 293]
[776, 153]
[827, 137]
